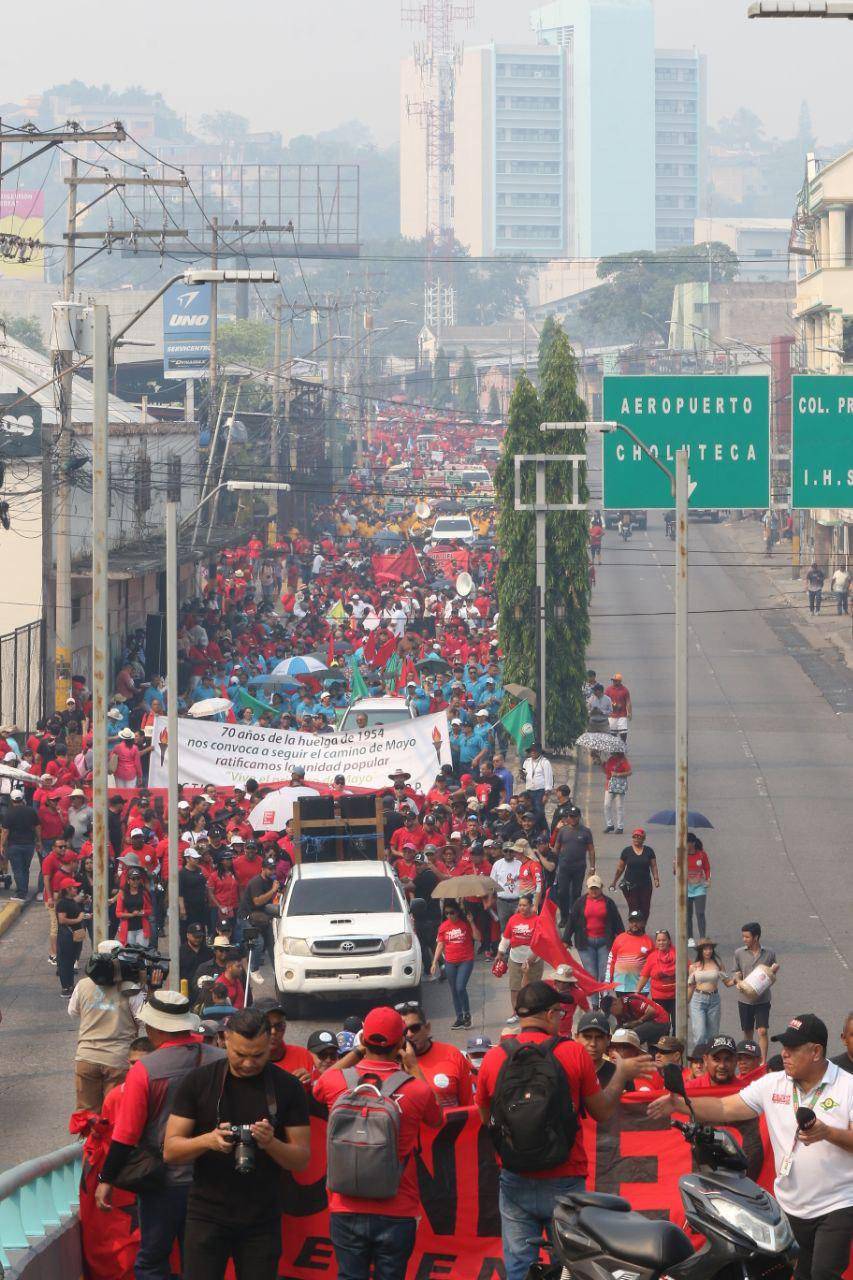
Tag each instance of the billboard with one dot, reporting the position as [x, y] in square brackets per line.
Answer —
[22, 214]
[186, 330]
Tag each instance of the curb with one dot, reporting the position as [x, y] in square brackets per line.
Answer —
[9, 914]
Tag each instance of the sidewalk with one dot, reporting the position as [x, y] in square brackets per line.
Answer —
[826, 630]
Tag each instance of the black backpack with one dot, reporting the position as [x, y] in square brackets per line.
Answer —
[533, 1122]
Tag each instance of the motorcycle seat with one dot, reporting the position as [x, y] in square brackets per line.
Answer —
[596, 1200]
[652, 1243]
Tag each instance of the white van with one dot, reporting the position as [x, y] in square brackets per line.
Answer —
[345, 927]
[385, 710]
[452, 529]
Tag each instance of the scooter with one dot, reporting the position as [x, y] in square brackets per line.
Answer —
[747, 1235]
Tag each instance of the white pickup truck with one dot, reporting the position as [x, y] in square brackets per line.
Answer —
[345, 927]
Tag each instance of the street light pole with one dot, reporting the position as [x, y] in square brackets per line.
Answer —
[100, 620]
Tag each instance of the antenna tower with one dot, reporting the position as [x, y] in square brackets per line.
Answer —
[437, 58]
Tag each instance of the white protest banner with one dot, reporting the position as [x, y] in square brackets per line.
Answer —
[225, 754]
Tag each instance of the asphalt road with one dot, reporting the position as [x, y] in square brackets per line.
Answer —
[770, 756]
[770, 764]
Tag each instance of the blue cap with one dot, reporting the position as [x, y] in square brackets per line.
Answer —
[479, 1044]
[346, 1040]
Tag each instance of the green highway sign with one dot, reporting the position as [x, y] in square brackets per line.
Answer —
[822, 441]
[722, 420]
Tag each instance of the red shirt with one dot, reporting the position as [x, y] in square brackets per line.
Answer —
[51, 822]
[294, 1058]
[408, 835]
[405, 870]
[660, 970]
[225, 890]
[519, 930]
[595, 916]
[636, 1005]
[449, 1073]
[530, 877]
[618, 695]
[246, 868]
[418, 1106]
[235, 988]
[133, 1109]
[458, 940]
[583, 1083]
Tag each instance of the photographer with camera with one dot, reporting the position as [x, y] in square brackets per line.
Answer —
[105, 1005]
[240, 1122]
[257, 910]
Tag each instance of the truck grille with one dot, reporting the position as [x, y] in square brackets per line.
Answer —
[384, 971]
[347, 946]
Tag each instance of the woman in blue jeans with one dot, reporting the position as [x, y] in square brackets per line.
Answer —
[593, 923]
[703, 994]
[457, 934]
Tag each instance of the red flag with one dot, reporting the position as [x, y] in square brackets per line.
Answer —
[330, 655]
[548, 944]
[395, 566]
[369, 647]
[385, 652]
[408, 672]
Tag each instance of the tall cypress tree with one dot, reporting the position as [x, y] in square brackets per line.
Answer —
[516, 536]
[466, 387]
[494, 409]
[442, 392]
[568, 587]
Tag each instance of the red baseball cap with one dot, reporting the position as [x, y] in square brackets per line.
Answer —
[383, 1027]
[638, 831]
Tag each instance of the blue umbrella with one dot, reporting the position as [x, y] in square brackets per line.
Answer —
[667, 818]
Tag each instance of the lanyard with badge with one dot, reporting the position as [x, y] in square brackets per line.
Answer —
[797, 1102]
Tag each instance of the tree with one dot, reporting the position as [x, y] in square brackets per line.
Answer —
[248, 343]
[567, 636]
[550, 329]
[26, 329]
[494, 409]
[467, 401]
[636, 298]
[442, 392]
[516, 536]
[225, 126]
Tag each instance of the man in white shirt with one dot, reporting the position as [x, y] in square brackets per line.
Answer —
[841, 589]
[505, 871]
[538, 776]
[814, 1165]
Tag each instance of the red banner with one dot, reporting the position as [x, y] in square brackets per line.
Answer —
[396, 566]
[449, 560]
[459, 1230]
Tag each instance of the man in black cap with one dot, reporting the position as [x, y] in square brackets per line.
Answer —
[593, 1032]
[808, 1108]
[748, 1057]
[194, 951]
[323, 1047]
[256, 908]
[529, 1194]
[575, 850]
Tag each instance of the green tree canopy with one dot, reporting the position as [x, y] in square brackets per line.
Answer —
[466, 387]
[442, 391]
[494, 409]
[636, 298]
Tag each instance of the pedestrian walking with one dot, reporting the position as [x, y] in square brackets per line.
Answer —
[840, 584]
[698, 880]
[575, 851]
[505, 872]
[523, 965]
[71, 917]
[457, 934]
[538, 777]
[704, 976]
[659, 972]
[815, 579]
[622, 711]
[636, 872]
[628, 953]
[617, 771]
[755, 1013]
[530, 1090]
[374, 1203]
[594, 922]
[20, 840]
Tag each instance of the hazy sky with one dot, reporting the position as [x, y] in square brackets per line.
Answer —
[300, 66]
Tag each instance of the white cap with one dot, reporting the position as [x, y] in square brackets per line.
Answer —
[136, 831]
[456, 720]
[16, 795]
[482, 713]
[108, 946]
[10, 755]
[114, 714]
[192, 853]
[183, 804]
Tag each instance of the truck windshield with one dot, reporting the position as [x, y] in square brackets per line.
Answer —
[348, 896]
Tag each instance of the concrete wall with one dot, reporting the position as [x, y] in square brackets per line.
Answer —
[35, 298]
[473, 179]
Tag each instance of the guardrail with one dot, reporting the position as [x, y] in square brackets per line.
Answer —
[36, 1196]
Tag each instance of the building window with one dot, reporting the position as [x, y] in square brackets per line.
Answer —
[532, 135]
[528, 232]
[665, 73]
[527, 102]
[142, 484]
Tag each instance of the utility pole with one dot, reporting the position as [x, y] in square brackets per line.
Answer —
[332, 439]
[682, 464]
[275, 435]
[63, 325]
[214, 312]
[100, 619]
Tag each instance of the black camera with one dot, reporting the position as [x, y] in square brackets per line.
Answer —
[244, 1148]
[139, 964]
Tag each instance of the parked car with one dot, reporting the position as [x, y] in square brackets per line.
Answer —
[345, 927]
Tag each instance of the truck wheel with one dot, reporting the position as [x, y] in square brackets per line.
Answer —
[293, 1005]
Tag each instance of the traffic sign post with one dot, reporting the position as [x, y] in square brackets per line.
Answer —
[722, 421]
[822, 441]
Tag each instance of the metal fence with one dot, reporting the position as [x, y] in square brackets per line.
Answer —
[21, 675]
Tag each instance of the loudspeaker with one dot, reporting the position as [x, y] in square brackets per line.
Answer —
[358, 806]
[155, 646]
[316, 808]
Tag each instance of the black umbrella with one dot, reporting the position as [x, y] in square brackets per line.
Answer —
[668, 818]
[434, 663]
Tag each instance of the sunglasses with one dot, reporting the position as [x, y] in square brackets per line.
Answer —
[408, 1006]
[413, 1026]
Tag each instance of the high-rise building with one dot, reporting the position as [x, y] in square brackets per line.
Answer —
[610, 119]
[510, 149]
[680, 122]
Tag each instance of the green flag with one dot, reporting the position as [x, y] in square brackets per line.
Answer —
[519, 725]
[242, 699]
[357, 687]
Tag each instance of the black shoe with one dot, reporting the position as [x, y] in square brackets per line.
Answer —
[466, 1020]
[607, 830]
[52, 960]
[7, 882]
[457, 1025]
[66, 993]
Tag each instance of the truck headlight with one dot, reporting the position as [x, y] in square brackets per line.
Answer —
[773, 1237]
[399, 942]
[295, 946]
